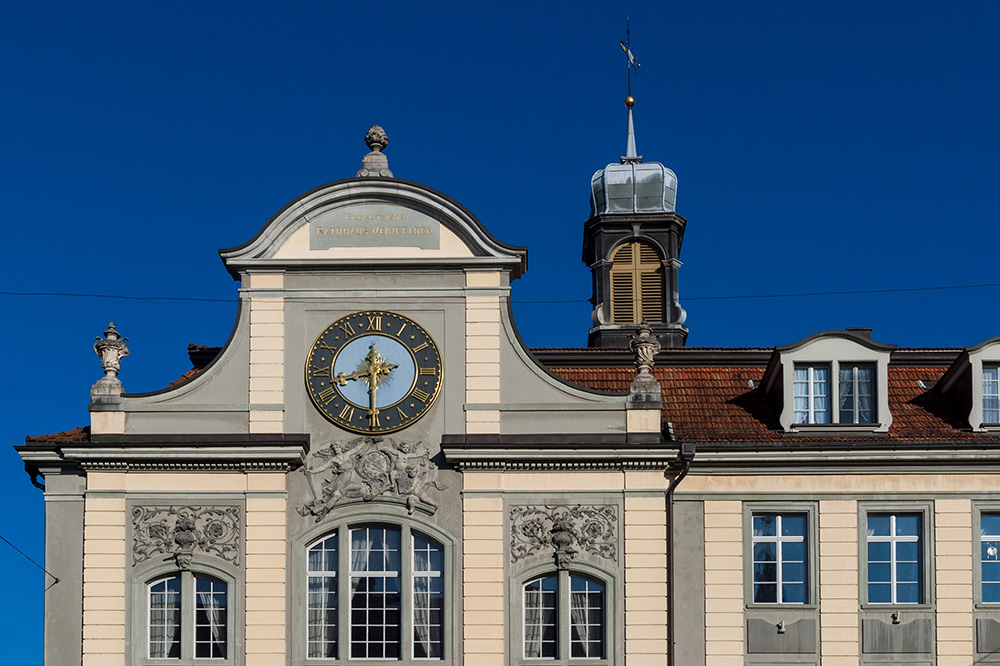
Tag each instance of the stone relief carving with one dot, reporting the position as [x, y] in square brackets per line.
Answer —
[366, 468]
[565, 530]
[182, 531]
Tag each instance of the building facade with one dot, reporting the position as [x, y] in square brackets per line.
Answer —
[374, 468]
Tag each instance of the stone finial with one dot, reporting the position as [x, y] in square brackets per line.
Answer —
[376, 138]
[112, 349]
[645, 392]
[644, 346]
[375, 164]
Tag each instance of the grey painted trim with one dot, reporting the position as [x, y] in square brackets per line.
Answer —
[172, 407]
[991, 505]
[614, 643]
[787, 506]
[846, 334]
[543, 373]
[325, 294]
[453, 215]
[341, 520]
[926, 510]
[137, 627]
[689, 583]
[539, 407]
[833, 495]
[241, 329]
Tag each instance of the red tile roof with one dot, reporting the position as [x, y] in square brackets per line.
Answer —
[81, 434]
[720, 404]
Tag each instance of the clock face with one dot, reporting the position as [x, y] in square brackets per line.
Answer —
[373, 372]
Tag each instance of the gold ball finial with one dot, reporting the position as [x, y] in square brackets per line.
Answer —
[630, 101]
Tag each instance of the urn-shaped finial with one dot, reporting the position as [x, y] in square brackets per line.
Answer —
[644, 346]
[112, 349]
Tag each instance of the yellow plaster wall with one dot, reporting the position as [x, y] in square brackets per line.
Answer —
[953, 581]
[482, 361]
[832, 483]
[266, 566]
[645, 580]
[724, 583]
[104, 581]
[483, 585]
[838, 578]
[267, 344]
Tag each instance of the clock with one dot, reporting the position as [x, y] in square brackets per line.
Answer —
[373, 372]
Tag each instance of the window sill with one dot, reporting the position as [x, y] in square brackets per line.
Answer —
[892, 608]
[852, 429]
[782, 607]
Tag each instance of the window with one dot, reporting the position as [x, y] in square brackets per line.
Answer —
[637, 290]
[991, 395]
[564, 609]
[394, 592]
[895, 558]
[187, 617]
[812, 394]
[989, 557]
[857, 390]
[779, 558]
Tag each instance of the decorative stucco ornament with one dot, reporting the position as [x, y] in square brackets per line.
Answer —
[645, 390]
[375, 164]
[366, 468]
[644, 346]
[112, 349]
[182, 531]
[565, 531]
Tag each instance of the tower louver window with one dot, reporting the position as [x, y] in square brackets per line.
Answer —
[637, 290]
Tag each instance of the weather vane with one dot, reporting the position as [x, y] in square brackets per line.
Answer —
[632, 62]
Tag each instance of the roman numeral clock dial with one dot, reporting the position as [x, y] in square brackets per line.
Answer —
[373, 372]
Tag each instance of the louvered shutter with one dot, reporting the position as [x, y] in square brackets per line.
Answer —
[636, 284]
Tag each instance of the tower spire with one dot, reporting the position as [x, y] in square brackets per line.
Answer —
[631, 156]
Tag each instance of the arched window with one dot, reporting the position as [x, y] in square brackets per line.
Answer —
[391, 581]
[187, 617]
[564, 617]
[637, 288]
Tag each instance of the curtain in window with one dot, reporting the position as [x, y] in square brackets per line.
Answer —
[210, 618]
[165, 619]
[322, 599]
[540, 613]
[428, 599]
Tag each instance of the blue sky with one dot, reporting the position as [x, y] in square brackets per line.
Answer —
[819, 146]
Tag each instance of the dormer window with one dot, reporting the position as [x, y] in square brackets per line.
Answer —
[831, 380]
[991, 395]
[855, 394]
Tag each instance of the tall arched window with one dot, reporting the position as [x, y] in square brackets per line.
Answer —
[637, 287]
[375, 591]
[187, 618]
[564, 617]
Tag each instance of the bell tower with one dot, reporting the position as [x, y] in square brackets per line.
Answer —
[632, 242]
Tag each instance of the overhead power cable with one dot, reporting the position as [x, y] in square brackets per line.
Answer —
[800, 294]
[55, 579]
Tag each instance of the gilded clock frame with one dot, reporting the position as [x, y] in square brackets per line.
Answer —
[337, 407]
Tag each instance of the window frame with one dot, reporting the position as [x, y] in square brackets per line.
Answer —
[810, 510]
[201, 567]
[564, 624]
[854, 366]
[978, 509]
[810, 396]
[983, 395]
[925, 511]
[361, 516]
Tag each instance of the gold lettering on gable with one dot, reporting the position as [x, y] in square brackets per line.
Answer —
[374, 225]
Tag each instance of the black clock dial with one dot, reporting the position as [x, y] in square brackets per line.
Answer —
[373, 372]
